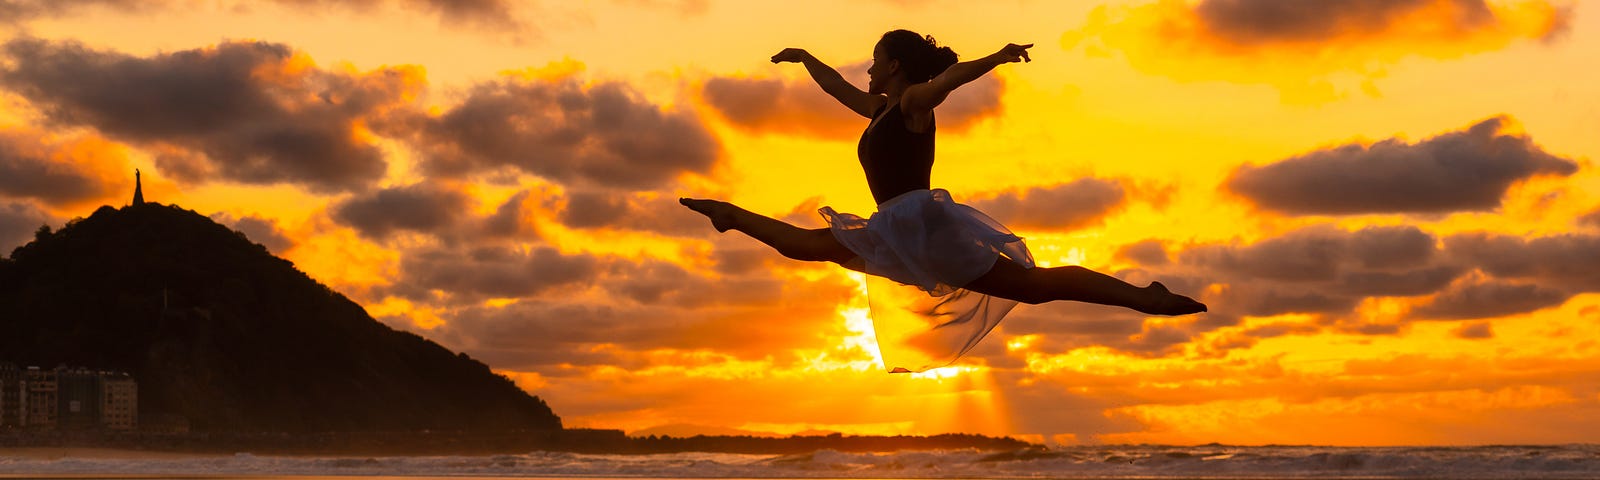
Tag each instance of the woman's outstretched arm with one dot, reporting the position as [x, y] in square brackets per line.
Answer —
[924, 96]
[832, 82]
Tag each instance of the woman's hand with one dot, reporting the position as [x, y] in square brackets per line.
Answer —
[1012, 53]
[796, 55]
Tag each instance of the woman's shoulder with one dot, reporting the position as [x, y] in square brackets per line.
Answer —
[914, 121]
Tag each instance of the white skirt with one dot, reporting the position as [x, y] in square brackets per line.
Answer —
[920, 249]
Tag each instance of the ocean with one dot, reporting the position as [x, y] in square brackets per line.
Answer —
[1075, 462]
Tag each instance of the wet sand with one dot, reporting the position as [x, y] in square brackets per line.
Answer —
[57, 453]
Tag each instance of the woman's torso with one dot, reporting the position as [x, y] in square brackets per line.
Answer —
[895, 159]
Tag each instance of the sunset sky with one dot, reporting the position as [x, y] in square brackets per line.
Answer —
[1392, 208]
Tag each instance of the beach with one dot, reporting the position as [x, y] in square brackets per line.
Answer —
[1124, 461]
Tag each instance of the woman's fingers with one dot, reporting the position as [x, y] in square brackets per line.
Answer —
[789, 55]
[1018, 51]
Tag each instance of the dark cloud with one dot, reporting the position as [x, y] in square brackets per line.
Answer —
[536, 336]
[1262, 299]
[18, 222]
[770, 104]
[1567, 260]
[1322, 253]
[495, 15]
[1178, 279]
[1160, 337]
[973, 102]
[251, 112]
[1067, 206]
[644, 211]
[603, 135]
[736, 260]
[1065, 326]
[1319, 270]
[553, 308]
[12, 11]
[1401, 247]
[1591, 219]
[510, 219]
[1327, 272]
[491, 15]
[654, 282]
[1145, 252]
[1310, 51]
[800, 107]
[475, 273]
[1420, 281]
[445, 213]
[61, 171]
[1306, 258]
[423, 208]
[258, 229]
[1239, 27]
[1474, 331]
[1489, 299]
[1248, 22]
[1307, 254]
[652, 305]
[1465, 170]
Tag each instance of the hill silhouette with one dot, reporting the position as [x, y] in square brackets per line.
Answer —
[219, 331]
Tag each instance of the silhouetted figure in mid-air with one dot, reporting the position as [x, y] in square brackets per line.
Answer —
[919, 236]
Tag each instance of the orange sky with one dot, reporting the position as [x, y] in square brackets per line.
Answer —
[1391, 207]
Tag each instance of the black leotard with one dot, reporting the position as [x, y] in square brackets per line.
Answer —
[896, 160]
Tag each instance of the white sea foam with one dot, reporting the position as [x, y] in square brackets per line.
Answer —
[1564, 461]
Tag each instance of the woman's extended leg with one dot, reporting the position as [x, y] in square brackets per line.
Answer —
[817, 245]
[1005, 279]
[1039, 285]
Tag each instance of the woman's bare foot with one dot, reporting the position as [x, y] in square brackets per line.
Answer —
[720, 213]
[1163, 302]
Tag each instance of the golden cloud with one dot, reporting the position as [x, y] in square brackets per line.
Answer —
[67, 171]
[1298, 46]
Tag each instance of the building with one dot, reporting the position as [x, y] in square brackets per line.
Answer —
[67, 399]
[78, 398]
[119, 401]
[12, 408]
[39, 394]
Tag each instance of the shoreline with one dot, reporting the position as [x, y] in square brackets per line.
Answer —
[435, 443]
[98, 453]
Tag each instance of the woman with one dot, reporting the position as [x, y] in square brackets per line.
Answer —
[919, 237]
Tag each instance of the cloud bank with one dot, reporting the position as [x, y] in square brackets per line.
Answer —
[1468, 170]
[250, 112]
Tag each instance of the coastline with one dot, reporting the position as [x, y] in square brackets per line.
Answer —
[431, 443]
[1071, 462]
[102, 453]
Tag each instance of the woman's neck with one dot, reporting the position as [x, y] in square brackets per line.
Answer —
[894, 89]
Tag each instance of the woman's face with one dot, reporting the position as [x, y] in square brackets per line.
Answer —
[878, 74]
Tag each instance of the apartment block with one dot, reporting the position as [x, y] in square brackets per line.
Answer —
[64, 398]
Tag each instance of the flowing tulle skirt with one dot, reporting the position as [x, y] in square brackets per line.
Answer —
[920, 249]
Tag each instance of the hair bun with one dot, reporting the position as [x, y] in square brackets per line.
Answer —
[920, 55]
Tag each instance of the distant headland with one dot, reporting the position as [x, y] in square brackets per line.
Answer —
[230, 338]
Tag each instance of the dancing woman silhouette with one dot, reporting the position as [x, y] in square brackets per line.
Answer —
[955, 257]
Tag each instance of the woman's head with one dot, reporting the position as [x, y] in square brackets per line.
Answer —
[918, 57]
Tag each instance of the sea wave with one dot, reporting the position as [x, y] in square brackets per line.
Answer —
[1212, 461]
